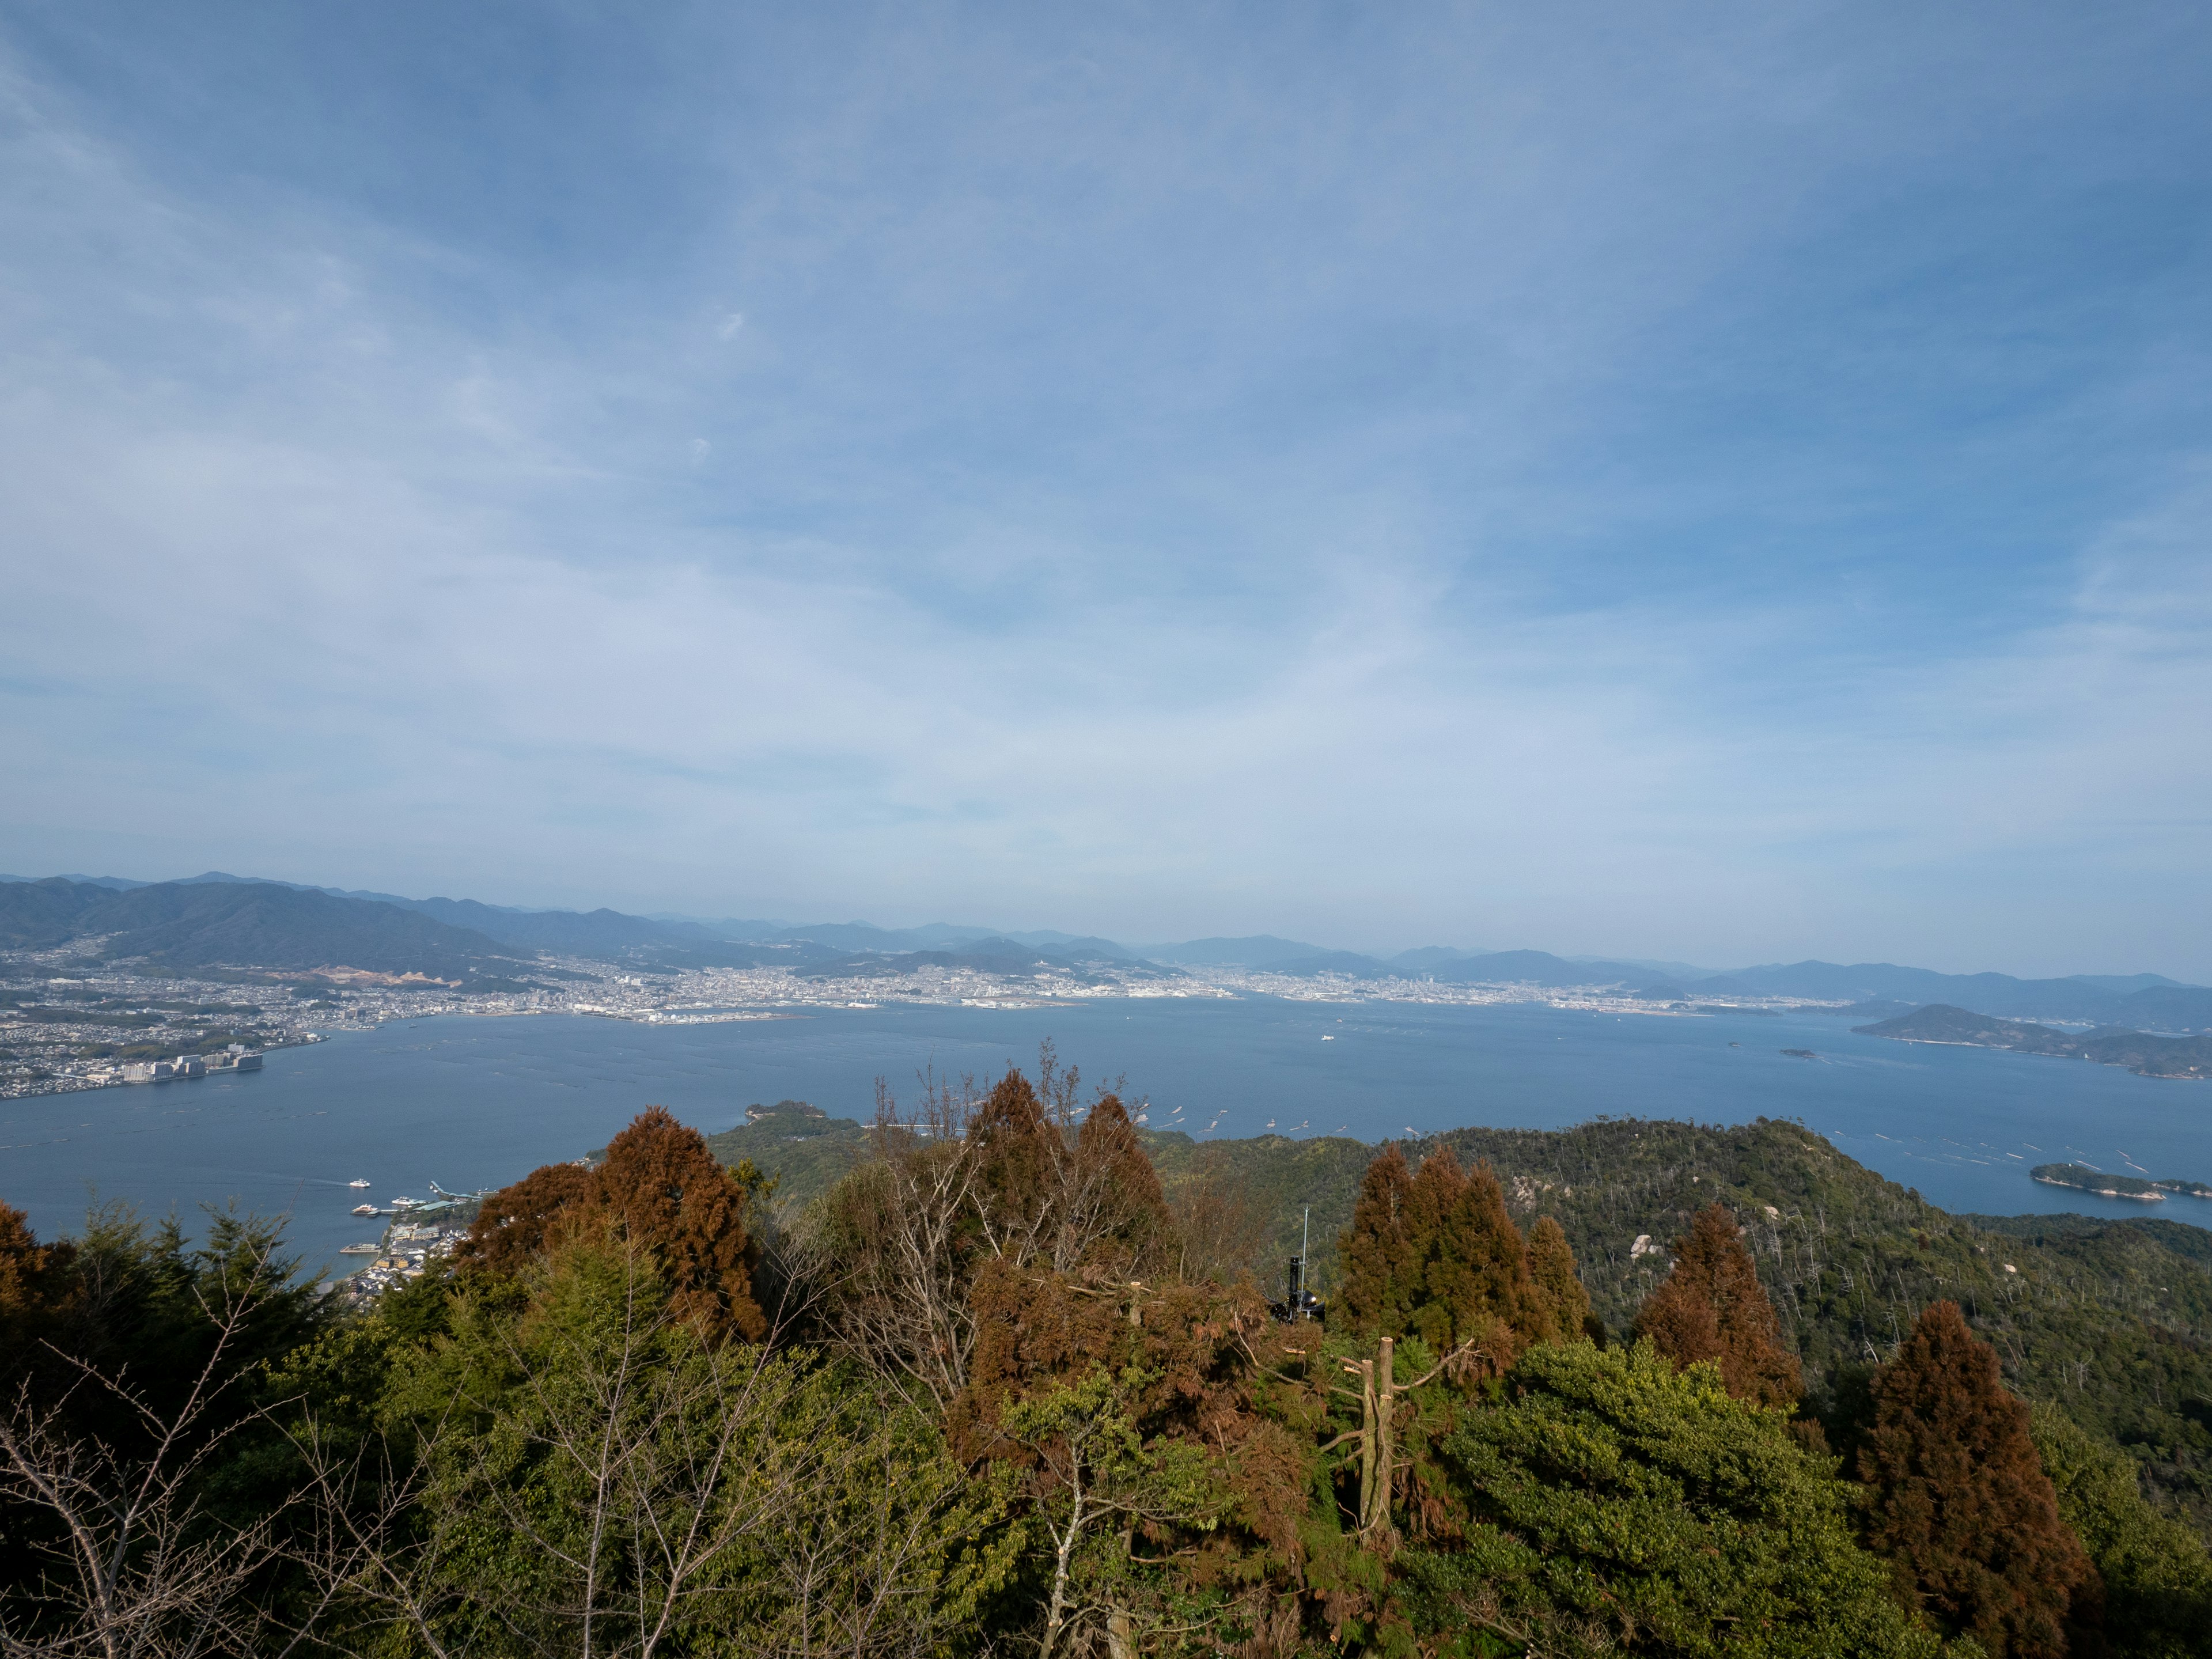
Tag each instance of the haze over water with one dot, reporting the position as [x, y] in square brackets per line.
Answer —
[473, 1102]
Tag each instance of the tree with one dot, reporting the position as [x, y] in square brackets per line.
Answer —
[1558, 1287]
[1618, 1504]
[1096, 1478]
[659, 1185]
[105, 1478]
[512, 1228]
[1960, 1505]
[1191, 1367]
[1013, 1179]
[1380, 1259]
[1434, 1254]
[583, 1470]
[2157, 1574]
[34, 1282]
[1712, 1308]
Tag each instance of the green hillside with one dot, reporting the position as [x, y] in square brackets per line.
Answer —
[2110, 1321]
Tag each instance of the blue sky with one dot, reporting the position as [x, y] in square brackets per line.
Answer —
[1731, 483]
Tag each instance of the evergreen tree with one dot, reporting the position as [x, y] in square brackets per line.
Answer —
[1381, 1273]
[1476, 1264]
[1712, 1308]
[35, 1280]
[1558, 1287]
[662, 1186]
[1019, 1151]
[1960, 1505]
[1433, 1253]
[1614, 1505]
[659, 1187]
[1116, 1205]
[2157, 1574]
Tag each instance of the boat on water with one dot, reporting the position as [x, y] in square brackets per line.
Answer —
[356, 1183]
[364, 1209]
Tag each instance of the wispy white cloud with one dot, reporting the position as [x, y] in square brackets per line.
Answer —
[1140, 493]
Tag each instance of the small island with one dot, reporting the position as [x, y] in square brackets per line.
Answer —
[2082, 1178]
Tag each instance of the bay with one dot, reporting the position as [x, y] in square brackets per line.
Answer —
[473, 1102]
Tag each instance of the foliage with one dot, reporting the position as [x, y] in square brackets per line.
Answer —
[1616, 1504]
[599, 1477]
[1961, 1506]
[1433, 1253]
[1711, 1308]
[129, 1528]
[1558, 1285]
[659, 1186]
[2110, 1321]
[1023, 1393]
[2157, 1574]
[1096, 1480]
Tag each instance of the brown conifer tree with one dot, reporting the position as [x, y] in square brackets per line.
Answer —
[662, 1186]
[1558, 1287]
[1474, 1264]
[1019, 1153]
[1433, 1253]
[1116, 1206]
[659, 1187]
[512, 1225]
[1961, 1505]
[34, 1288]
[1712, 1307]
[1382, 1274]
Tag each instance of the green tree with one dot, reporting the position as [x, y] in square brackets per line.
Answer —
[1618, 1504]
[2157, 1575]
[590, 1472]
[1960, 1505]
[1095, 1481]
[1558, 1287]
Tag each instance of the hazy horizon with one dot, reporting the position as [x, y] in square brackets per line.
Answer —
[1727, 487]
[1659, 963]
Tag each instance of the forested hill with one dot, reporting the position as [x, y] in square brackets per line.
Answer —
[2144, 1052]
[261, 924]
[2112, 1321]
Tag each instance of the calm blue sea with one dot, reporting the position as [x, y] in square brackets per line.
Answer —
[473, 1102]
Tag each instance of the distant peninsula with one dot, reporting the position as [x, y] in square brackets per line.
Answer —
[2147, 1055]
[2082, 1178]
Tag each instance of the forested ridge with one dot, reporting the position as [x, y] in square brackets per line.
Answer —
[1000, 1374]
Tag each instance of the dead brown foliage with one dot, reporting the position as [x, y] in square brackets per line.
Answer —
[1712, 1307]
[1961, 1506]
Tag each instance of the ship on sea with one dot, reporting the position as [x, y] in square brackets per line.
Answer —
[356, 1183]
[364, 1209]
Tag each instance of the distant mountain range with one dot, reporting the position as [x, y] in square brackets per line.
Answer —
[179, 925]
[221, 918]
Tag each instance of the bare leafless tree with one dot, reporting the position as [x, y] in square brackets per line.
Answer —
[136, 1565]
[952, 1186]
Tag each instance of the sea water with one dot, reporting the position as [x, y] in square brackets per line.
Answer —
[476, 1102]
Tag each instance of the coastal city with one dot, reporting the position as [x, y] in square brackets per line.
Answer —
[67, 1022]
